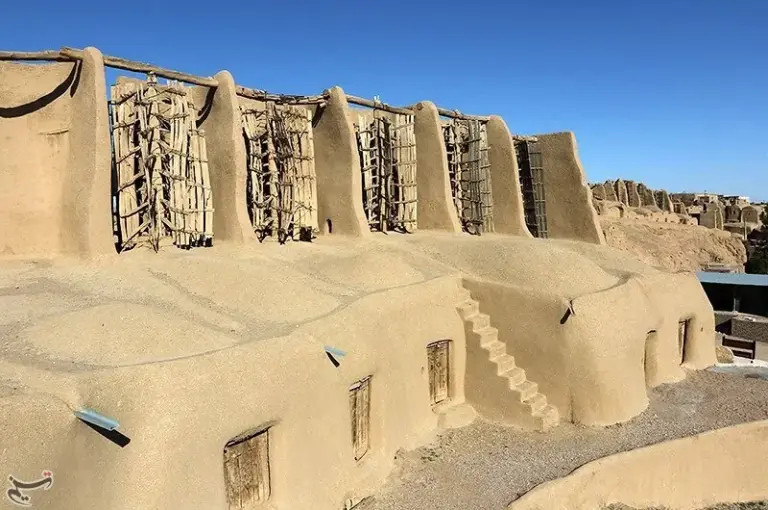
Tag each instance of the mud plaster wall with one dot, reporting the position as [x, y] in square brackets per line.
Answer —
[720, 466]
[55, 159]
[750, 214]
[621, 191]
[633, 196]
[591, 367]
[435, 208]
[220, 118]
[570, 214]
[598, 192]
[175, 457]
[337, 165]
[508, 213]
[610, 191]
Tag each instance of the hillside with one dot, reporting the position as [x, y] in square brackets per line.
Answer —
[671, 246]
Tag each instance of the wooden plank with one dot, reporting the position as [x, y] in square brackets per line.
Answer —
[360, 415]
[50, 55]
[378, 105]
[141, 67]
[442, 371]
[247, 471]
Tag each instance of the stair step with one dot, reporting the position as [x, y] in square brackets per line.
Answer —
[496, 350]
[487, 335]
[505, 364]
[515, 375]
[537, 402]
[547, 418]
[468, 309]
[527, 389]
[480, 321]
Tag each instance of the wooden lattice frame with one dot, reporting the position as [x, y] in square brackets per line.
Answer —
[281, 186]
[466, 143]
[387, 148]
[162, 184]
[530, 165]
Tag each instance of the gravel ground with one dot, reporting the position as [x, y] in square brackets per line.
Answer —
[755, 505]
[485, 467]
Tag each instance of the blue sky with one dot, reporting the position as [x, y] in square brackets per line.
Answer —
[672, 93]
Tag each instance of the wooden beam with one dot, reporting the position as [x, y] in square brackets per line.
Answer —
[378, 105]
[456, 114]
[51, 55]
[525, 138]
[141, 67]
[263, 95]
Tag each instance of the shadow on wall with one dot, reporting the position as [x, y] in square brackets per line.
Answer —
[69, 84]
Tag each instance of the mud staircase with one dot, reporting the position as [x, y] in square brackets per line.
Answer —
[523, 405]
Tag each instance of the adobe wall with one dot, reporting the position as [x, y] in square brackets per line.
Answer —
[508, 212]
[598, 191]
[720, 466]
[633, 196]
[570, 214]
[750, 214]
[55, 161]
[175, 457]
[590, 365]
[435, 207]
[337, 165]
[621, 191]
[610, 191]
[227, 163]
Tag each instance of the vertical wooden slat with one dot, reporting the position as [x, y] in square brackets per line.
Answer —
[431, 372]
[442, 371]
[247, 471]
[360, 415]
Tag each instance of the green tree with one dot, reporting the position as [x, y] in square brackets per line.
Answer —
[758, 261]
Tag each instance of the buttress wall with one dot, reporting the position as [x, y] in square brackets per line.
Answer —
[570, 213]
[55, 158]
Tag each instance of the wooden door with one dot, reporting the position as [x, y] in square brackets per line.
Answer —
[360, 414]
[438, 360]
[246, 470]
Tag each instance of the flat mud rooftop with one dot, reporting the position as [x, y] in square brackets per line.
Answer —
[486, 467]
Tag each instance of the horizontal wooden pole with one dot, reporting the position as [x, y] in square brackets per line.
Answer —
[455, 114]
[378, 105]
[263, 95]
[141, 67]
[525, 138]
[51, 55]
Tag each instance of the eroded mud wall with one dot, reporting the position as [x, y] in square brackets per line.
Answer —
[570, 214]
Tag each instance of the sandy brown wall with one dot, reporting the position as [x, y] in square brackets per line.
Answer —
[55, 159]
[337, 164]
[570, 214]
[591, 364]
[180, 414]
[529, 324]
[508, 213]
[721, 466]
[220, 119]
[435, 207]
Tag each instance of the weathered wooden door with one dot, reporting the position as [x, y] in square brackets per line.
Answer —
[246, 470]
[360, 414]
[438, 360]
